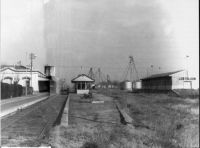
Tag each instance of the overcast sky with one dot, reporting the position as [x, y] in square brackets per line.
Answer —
[101, 33]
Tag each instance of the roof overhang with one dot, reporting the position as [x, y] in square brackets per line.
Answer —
[82, 78]
[168, 74]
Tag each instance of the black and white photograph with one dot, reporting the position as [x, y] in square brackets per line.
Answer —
[99, 73]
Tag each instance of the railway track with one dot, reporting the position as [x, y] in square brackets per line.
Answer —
[20, 114]
[32, 123]
[49, 124]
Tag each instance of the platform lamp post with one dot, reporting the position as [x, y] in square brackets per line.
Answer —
[32, 56]
[187, 57]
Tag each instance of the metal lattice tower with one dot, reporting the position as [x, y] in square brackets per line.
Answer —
[108, 78]
[131, 72]
[99, 76]
[91, 74]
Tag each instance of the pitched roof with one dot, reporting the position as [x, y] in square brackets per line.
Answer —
[81, 78]
[22, 70]
[162, 75]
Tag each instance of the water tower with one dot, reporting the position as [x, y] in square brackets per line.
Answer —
[49, 71]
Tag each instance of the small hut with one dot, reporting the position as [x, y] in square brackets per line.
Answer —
[82, 83]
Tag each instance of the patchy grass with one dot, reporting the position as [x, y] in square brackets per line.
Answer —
[93, 126]
[93, 137]
[188, 93]
[164, 121]
[159, 121]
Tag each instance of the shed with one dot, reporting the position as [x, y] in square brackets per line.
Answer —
[82, 83]
[168, 81]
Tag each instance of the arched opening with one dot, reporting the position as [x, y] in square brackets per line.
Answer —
[26, 81]
[7, 80]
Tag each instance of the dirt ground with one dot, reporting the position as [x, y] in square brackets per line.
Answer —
[93, 125]
[159, 121]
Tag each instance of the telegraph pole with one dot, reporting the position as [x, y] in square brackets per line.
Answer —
[187, 65]
[26, 75]
[151, 69]
[32, 56]
[99, 72]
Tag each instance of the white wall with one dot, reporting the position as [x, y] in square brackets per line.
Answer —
[82, 91]
[20, 75]
[180, 84]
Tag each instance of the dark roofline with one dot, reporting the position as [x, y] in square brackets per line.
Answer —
[161, 75]
[81, 75]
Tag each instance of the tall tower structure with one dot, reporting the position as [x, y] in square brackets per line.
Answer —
[91, 73]
[131, 73]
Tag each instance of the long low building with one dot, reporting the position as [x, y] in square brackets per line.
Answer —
[169, 81]
[22, 75]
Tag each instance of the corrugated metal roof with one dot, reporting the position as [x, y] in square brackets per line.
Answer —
[162, 75]
[82, 77]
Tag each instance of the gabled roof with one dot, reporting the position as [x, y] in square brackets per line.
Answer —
[21, 70]
[162, 75]
[82, 78]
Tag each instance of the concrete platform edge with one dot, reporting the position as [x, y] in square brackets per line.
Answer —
[12, 111]
[65, 115]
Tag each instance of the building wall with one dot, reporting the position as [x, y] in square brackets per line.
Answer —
[82, 87]
[86, 91]
[162, 83]
[20, 75]
[179, 82]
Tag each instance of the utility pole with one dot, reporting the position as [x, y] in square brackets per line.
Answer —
[187, 65]
[99, 72]
[26, 75]
[32, 56]
[108, 80]
[151, 69]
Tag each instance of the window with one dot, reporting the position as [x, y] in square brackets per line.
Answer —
[83, 85]
[78, 85]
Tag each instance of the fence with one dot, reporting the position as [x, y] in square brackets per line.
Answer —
[13, 90]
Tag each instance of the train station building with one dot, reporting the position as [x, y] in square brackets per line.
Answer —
[82, 83]
[22, 75]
